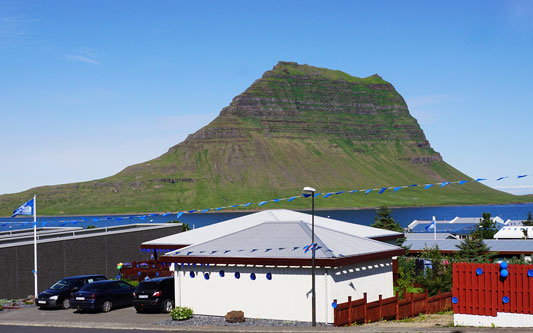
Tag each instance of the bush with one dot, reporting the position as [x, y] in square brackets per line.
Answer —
[134, 283]
[1, 307]
[181, 313]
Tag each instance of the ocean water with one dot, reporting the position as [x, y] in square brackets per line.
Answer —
[362, 216]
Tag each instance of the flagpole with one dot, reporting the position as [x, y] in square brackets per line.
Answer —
[35, 242]
[434, 228]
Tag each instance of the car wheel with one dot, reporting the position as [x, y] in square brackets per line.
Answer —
[106, 307]
[139, 309]
[65, 304]
[167, 306]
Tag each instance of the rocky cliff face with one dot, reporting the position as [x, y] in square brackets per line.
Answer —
[296, 126]
[303, 102]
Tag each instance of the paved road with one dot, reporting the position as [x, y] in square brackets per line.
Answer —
[41, 329]
[124, 318]
[33, 320]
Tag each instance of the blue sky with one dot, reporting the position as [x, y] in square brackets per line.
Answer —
[90, 87]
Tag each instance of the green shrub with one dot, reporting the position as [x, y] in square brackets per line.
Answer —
[181, 313]
[134, 283]
[1, 307]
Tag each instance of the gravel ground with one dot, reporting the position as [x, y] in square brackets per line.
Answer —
[200, 320]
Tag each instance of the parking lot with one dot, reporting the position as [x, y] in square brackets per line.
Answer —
[124, 318]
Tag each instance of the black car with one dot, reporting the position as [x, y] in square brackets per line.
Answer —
[155, 294]
[58, 295]
[103, 295]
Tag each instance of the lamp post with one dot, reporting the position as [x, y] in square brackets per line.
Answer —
[313, 294]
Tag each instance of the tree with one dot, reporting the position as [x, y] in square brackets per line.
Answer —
[384, 220]
[406, 276]
[439, 276]
[529, 221]
[184, 227]
[486, 229]
[475, 250]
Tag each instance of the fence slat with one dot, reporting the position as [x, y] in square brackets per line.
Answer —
[455, 287]
[380, 307]
[494, 291]
[349, 310]
[365, 320]
[486, 286]
[529, 295]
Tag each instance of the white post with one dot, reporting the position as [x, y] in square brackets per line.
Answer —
[177, 285]
[434, 228]
[35, 242]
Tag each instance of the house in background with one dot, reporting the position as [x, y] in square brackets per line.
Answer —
[515, 231]
[506, 248]
[459, 227]
[427, 236]
[261, 264]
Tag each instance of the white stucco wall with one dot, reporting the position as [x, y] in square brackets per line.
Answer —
[373, 277]
[287, 296]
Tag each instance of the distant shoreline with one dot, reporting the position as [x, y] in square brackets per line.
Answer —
[299, 209]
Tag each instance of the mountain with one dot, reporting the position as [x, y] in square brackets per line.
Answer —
[296, 126]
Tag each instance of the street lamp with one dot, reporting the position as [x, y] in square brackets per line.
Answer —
[313, 296]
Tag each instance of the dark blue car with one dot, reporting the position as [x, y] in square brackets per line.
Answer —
[58, 295]
[103, 295]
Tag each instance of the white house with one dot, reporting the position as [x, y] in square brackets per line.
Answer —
[264, 267]
[514, 232]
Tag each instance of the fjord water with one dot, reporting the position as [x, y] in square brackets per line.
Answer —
[403, 215]
[361, 216]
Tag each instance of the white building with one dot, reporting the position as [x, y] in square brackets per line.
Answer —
[514, 232]
[259, 264]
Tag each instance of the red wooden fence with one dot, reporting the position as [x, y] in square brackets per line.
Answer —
[486, 292]
[138, 270]
[359, 311]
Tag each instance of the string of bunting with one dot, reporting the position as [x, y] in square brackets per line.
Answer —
[178, 214]
[305, 248]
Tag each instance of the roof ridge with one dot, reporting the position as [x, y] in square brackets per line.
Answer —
[318, 241]
[217, 238]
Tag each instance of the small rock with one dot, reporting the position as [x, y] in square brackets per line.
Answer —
[235, 317]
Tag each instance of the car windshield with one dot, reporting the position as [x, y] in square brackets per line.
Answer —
[147, 286]
[61, 284]
[94, 287]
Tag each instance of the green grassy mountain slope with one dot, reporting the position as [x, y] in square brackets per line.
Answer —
[296, 126]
